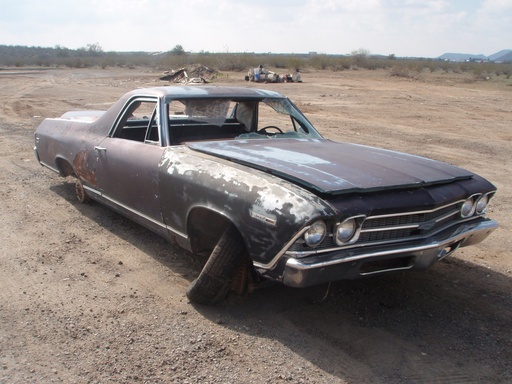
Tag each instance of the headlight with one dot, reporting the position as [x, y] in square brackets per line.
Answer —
[468, 208]
[345, 231]
[315, 233]
[482, 203]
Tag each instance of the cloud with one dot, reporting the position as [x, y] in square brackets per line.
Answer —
[402, 27]
[496, 6]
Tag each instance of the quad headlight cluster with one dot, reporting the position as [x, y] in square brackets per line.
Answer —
[475, 205]
[315, 234]
[347, 232]
[344, 232]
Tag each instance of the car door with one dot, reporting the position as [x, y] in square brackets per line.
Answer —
[127, 166]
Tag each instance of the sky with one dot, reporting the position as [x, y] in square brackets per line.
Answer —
[405, 28]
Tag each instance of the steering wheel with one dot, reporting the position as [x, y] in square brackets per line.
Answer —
[264, 130]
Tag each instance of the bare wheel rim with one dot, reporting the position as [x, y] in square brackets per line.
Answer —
[81, 194]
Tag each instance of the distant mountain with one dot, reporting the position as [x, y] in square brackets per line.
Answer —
[503, 55]
[461, 57]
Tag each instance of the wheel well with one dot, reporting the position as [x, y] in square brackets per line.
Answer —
[64, 167]
[204, 228]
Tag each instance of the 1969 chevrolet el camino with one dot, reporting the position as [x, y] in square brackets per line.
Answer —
[241, 175]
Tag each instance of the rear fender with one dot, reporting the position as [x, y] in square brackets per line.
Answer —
[65, 169]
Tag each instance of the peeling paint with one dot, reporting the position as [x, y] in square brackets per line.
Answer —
[185, 163]
[280, 199]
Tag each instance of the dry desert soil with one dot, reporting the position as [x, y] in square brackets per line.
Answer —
[87, 296]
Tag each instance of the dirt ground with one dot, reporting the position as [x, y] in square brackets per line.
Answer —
[87, 296]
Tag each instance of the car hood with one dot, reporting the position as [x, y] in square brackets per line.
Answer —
[334, 168]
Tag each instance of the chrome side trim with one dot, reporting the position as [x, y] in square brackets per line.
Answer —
[49, 167]
[36, 153]
[271, 264]
[137, 213]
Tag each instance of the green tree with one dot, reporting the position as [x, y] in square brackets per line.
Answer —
[177, 50]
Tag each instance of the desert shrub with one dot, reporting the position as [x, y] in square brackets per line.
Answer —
[414, 66]
[294, 63]
[503, 69]
[234, 62]
[169, 61]
[507, 70]
[278, 61]
[458, 69]
[400, 70]
[480, 73]
[207, 59]
[430, 65]
[342, 63]
[466, 67]
[360, 58]
[445, 66]
[320, 62]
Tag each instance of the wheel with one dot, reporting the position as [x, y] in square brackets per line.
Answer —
[81, 194]
[213, 283]
[264, 130]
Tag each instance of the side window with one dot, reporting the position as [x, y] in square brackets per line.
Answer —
[268, 116]
[202, 119]
[139, 122]
[177, 109]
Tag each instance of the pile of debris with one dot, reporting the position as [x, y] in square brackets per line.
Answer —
[263, 75]
[193, 74]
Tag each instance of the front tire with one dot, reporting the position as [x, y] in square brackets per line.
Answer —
[213, 283]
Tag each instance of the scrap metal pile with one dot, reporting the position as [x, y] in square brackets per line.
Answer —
[193, 74]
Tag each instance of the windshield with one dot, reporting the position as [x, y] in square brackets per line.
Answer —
[194, 119]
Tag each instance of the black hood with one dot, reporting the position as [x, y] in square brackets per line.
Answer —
[334, 168]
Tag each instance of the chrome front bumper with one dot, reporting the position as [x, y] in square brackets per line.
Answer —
[356, 262]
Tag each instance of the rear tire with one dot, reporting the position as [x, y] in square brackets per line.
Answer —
[81, 194]
[213, 283]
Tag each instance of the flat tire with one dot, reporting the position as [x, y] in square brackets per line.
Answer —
[213, 283]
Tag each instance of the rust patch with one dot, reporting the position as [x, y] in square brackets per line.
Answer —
[82, 168]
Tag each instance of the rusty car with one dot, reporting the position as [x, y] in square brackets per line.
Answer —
[241, 176]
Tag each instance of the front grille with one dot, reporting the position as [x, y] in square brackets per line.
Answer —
[393, 227]
[408, 218]
[405, 225]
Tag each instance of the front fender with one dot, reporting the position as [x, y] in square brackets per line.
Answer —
[267, 210]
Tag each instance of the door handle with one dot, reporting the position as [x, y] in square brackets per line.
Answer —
[100, 148]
